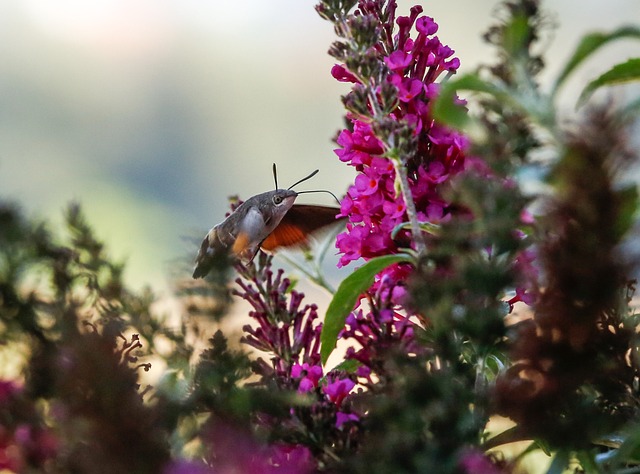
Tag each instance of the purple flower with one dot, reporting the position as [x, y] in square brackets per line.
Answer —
[342, 418]
[407, 88]
[426, 26]
[283, 325]
[476, 462]
[309, 376]
[522, 296]
[384, 327]
[398, 60]
[366, 185]
[372, 205]
[527, 274]
[338, 390]
[363, 371]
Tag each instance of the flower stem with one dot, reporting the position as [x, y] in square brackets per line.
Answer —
[315, 275]
[403, 183]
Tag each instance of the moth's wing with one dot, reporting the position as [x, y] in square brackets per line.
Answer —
[298, 224]
[210, 249]
[236, 235]
[285, 235]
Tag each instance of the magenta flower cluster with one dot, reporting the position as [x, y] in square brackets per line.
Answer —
[333, 390]
[285, 327]
[375, 209]
[242, 454]
[372, 204]
[289, 332]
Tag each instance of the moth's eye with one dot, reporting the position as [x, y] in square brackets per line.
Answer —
[277, 199]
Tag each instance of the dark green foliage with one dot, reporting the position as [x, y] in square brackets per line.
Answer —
[69, 305]
[345, 298]
[576, 346]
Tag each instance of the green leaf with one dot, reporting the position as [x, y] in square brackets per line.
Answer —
[433, 229]
[629, 450]
[350, 366]
[346, 296]
[588, 462]
[510, 435]
[618, 74]
[588, 45]
[543, 446]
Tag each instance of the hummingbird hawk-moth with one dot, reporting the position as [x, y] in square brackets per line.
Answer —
[268, 221]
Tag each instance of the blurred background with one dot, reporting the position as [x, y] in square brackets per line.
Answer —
[151, 112]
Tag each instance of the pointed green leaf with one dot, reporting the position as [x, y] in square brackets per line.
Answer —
[618, 74]
[588, 45]
[510, 435]
[587, 462]
[346, 296]
[350, 366]
[629, 450]
[543, 446]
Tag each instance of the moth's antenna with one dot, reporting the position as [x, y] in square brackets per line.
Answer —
[316, 191]
[321, 191]
[304, 179]
[275, 175]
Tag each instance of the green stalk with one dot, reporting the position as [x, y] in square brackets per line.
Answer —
[402, 182]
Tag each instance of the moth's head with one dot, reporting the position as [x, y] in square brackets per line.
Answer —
[281, 200]
[275, 179]
[283, 197]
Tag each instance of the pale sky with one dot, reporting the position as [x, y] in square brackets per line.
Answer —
[152, 112]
